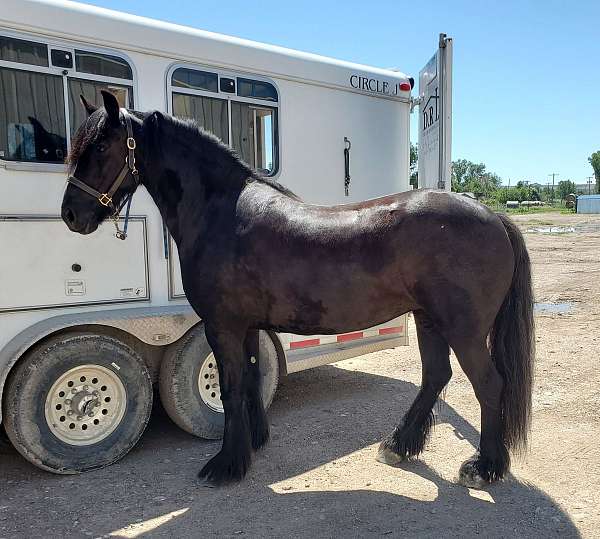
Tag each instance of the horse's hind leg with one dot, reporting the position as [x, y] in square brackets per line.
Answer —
[492, 460]
[408, 439]
[259, 425]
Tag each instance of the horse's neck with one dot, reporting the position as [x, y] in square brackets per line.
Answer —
[182, 181]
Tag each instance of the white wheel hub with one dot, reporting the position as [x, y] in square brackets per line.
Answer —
[208, 384]
[85, 405]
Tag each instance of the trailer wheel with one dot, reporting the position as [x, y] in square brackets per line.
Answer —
[189, 383]
[77, 402]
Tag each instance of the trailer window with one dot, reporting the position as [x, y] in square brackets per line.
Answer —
[91, 90]
[193, 79]
[32, 116]
[25, 52]
[39, 103]
[237, 114]
[210, 113]
[253, 135]
[257, 89]
[102, 64]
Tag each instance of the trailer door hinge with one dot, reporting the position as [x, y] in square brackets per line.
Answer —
[415, 102]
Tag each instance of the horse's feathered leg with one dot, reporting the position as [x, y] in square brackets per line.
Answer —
[492, 460]
[259, 426]
[233, 461]
[408, 439]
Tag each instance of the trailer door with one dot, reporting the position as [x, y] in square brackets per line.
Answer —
[435, 122]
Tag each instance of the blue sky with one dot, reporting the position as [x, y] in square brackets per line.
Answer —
[526, 73]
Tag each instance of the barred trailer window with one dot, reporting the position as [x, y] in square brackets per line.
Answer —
[40, 85]
[242, 112]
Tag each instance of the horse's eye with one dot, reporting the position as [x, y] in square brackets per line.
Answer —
[101, 147]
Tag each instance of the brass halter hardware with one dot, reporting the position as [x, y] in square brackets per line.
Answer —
[106, 199]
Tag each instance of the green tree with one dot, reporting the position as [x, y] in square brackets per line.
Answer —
[594, 160]
[473, 177]
[564, 188]
[414, 165]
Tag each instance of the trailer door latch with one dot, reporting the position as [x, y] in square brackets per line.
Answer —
[347, 165]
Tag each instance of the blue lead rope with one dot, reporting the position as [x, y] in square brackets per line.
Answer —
[122, 234]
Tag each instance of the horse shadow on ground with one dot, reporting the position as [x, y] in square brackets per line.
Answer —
[318, 418]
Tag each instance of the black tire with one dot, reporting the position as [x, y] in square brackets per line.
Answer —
[178, 383]
[31, 380]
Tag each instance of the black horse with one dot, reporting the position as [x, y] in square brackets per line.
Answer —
[254, 256]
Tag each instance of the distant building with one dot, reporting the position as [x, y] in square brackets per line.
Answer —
[588, 204]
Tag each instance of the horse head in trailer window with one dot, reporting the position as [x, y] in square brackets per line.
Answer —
[254, 256]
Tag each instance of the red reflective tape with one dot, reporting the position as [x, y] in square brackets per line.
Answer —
[387, 331]
[305, 344]
[350, 336]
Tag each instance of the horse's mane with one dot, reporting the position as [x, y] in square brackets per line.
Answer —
[91, 130]
[206, 138]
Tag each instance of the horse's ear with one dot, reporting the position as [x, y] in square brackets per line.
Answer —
[89, 109]
[112, 107]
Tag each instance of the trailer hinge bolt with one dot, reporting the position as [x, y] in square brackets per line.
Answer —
[253, 360]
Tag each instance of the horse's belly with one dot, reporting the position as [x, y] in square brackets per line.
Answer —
[337, 303]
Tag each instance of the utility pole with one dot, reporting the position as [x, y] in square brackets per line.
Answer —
[553, 175]
[589, 182]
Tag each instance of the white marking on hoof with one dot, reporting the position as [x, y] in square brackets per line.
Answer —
[386, 456]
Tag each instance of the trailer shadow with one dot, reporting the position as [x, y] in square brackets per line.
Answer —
[318, 419]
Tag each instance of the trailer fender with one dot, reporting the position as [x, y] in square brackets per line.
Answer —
[156, 326]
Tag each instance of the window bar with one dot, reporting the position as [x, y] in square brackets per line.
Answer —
[254, 129]
[67, 113]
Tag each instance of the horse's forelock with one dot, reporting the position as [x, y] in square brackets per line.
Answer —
[88, 132]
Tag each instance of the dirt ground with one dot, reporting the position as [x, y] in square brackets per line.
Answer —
[318, 477]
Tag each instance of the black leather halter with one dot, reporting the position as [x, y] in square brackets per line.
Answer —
[106, 199]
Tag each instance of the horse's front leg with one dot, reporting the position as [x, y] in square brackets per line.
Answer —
[259, 425]
[232, 462]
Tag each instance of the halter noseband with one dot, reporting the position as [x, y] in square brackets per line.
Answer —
[129, 167]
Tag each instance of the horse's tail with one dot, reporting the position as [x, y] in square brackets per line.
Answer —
[512, 344]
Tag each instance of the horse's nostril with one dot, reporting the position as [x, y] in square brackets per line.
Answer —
[69, 216]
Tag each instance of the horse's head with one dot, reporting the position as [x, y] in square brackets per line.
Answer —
[102, 166]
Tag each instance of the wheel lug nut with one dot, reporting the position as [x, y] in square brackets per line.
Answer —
[74, 391]
[95, 393]
[79, 418]
[85, 388]
[91, 414]
[70, 412]
[67, 402]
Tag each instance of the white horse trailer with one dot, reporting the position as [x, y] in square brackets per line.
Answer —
[88, 324]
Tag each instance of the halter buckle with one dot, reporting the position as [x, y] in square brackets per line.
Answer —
[131, 143]
[105, 200]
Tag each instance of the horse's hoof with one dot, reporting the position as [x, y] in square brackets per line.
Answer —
[470, 476]
[225, 468]
[260, 435]
[386, 456]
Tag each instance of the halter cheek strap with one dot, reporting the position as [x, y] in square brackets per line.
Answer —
[106, 199]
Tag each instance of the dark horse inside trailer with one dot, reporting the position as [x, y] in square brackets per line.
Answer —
[254, 256]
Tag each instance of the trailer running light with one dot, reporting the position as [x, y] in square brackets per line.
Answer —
[405, 86]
